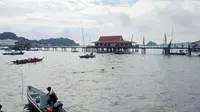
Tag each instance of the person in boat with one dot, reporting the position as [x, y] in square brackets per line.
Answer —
[91, 54]
[35, 58]
[0, 108]
[52, 96]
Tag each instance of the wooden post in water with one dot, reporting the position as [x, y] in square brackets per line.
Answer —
[22, 85]
[144, 48]
[189, 50]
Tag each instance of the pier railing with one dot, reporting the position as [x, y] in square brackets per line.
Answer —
[132, 46]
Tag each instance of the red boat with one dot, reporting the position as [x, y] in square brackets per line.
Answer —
[31, 60]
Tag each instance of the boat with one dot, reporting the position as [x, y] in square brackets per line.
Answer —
[37, 100]
[87, 56]
[177, 53]
[31, 60]
[119, 52]
[122, 52]
[4, 48]
[14, 53]
[74, 51]
[168, 50]
[33, 50]
[181, 52]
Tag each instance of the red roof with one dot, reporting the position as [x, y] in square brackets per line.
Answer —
[112, 39]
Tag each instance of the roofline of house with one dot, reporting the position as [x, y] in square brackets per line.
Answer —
[113, 41]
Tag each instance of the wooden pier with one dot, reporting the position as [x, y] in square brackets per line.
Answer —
[108, 49]
[113, 44]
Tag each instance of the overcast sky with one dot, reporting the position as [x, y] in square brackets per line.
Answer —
[36, 19]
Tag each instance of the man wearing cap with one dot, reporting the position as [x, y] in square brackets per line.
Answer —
[53, 97]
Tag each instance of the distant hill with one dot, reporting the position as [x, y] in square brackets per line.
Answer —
[151, 43]
[185, 44]
[8, 35]
[52, 41]
[56, 42]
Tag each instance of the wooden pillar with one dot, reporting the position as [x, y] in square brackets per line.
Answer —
[86, 49]
[189, 50]
[143, 51]
[164, 52]
[114, 49]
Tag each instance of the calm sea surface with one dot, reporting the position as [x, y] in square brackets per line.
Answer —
[139, 83]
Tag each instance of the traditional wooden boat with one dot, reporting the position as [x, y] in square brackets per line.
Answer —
[74, 51]
[87, 56]
[175, 53]
[122, 52]
[33, 50]
[24, 61]
[14, 53]
[180, 52]
[38, 101]
[119, 52]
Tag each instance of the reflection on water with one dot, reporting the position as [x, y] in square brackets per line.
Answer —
[107, 83]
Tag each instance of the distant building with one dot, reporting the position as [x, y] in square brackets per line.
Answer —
[7, 42]
[112, 41]
[112, 44]
[195, 44]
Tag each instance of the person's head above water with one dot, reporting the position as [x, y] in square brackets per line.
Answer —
[48, 88]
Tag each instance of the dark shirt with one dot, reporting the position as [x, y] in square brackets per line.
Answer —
[52, 96]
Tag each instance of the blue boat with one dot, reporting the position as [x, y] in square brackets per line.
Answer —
[13, 53]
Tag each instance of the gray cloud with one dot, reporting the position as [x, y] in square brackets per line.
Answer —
[115, 2]
[10, 11]
[56, 18]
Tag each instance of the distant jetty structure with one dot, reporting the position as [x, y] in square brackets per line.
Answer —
[112, 44]
[116, 44]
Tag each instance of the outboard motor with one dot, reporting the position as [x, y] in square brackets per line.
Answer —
[57, 107]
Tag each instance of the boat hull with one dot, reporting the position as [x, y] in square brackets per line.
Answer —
[122, 53]
[27, 61]
[177, 54]
[87, 56]
[32, 106]
[13, 53]
[119, 53]
[74, 51]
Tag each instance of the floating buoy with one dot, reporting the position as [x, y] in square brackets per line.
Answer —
[102, 69]
[113, 67]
